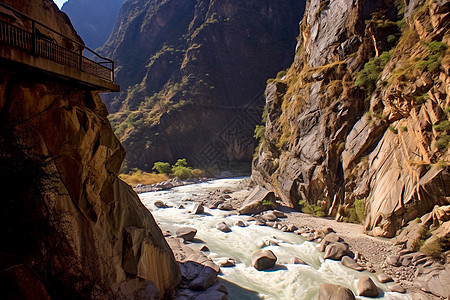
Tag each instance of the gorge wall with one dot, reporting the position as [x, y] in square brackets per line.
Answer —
[193, 74]
[71, 229]
[363, 112]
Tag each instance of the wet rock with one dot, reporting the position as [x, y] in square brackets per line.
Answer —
[198, 209]
[335, 292]
[225, 206]
[160, 204]
[298, 261]
[186, 233]
[336, 251]
[383, 278]
[204, 248]
[367, 288]
[203, 271]
[258, 201]
[269, 217]
[180, 206]
[396, 288]
[350, 263]
[263, 259]
[226, 262]
[241, 224]
[211, 295]
[223, 227]
[330, 238]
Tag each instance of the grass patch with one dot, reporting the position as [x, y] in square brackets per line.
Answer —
[393, 130]
[442, 126]
[442, 142]
[368, 76]
[311, 209]
[355, 213]
[137, 176]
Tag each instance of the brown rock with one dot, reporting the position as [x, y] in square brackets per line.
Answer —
[350, 263]
[263, 259]
[223, 227]
[393, 260]
[297, 261]
[258, 201]
[367, 288]
[186, 233]
[335, 292]
[160, 204]
[240, 224]
[198, 209]
[383, 278]
[396, 288]
[226, 262]
[336, 251]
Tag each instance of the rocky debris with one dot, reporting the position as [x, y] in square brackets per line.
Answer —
[258, 201]
[268, 217]
[279, 214]
[186, 233]
[226, 262]
[335, 292]
[166, 185]
[160, 204]
[435, 280]
[336, 251]
[328, 239]
[397, 288]
[198, 209]
[367, 288]
[350, 263]
[383, 278]
[297, 261]
[393, 260]
[263, 259]
[241, 224]
[222, 226]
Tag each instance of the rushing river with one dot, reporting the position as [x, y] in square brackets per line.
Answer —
[285, 281]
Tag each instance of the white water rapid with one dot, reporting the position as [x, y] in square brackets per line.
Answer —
[286, 281]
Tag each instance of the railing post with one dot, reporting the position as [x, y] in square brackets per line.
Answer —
[34, 39]
[81, 58]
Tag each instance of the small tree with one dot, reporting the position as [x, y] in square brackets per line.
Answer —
[181, 170]
[162, 167]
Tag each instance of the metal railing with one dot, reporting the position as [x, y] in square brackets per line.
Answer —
[38, 44]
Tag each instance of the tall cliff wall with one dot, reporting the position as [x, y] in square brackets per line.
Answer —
[71, 229]
[192, 75]
[363, 112]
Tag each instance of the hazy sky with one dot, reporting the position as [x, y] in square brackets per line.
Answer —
[59, 2]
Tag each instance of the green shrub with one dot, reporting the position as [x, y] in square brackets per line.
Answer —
[281, 74]
[442, 142]
[311, 209]
[355, 212]
[181, 170]
[442, 126]
[403, 128]
[368, 76]
[162, 167]
[393, 130]
[270, 80]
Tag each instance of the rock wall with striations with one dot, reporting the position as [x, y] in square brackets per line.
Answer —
[70, 228]
[363, 112]
[193, 74]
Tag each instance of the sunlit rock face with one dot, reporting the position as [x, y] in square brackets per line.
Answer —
[71, 228]
[333, 135]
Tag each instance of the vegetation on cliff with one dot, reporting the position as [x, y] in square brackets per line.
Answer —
[360, 121]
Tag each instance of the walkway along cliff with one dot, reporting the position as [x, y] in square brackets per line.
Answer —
[363, 115]
[71, 228]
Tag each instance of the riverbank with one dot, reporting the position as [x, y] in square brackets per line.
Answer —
[222, 203]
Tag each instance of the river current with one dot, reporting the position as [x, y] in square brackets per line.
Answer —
[285, 281]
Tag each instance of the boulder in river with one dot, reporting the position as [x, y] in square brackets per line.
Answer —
[335, 292]
[367, 288]
[186, 233]
[226, 262]
[258, 201]
[383, 278]
[223, 227]
[397, 288]
[351, 263]
[198, 209]
[160, 204]
[336, 251]
[201, 270]
[329, 238]
[263, 259]
[240, 224]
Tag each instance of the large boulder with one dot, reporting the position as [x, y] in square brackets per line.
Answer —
[351, 263]
[198, 209]
[258, 201]
[186, 233]
[367, 288]
[201, 270]
[223, 227]
[335, 292]
[336, 251]
[435, 281]
[263, 259]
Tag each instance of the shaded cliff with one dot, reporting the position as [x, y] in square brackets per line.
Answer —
[363, 113]
[93, 20]
[71, 229]
[192, 74]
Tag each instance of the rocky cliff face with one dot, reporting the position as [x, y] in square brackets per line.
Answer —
[192, 74]
[70, 227]
[363, 113]
[93, 20]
